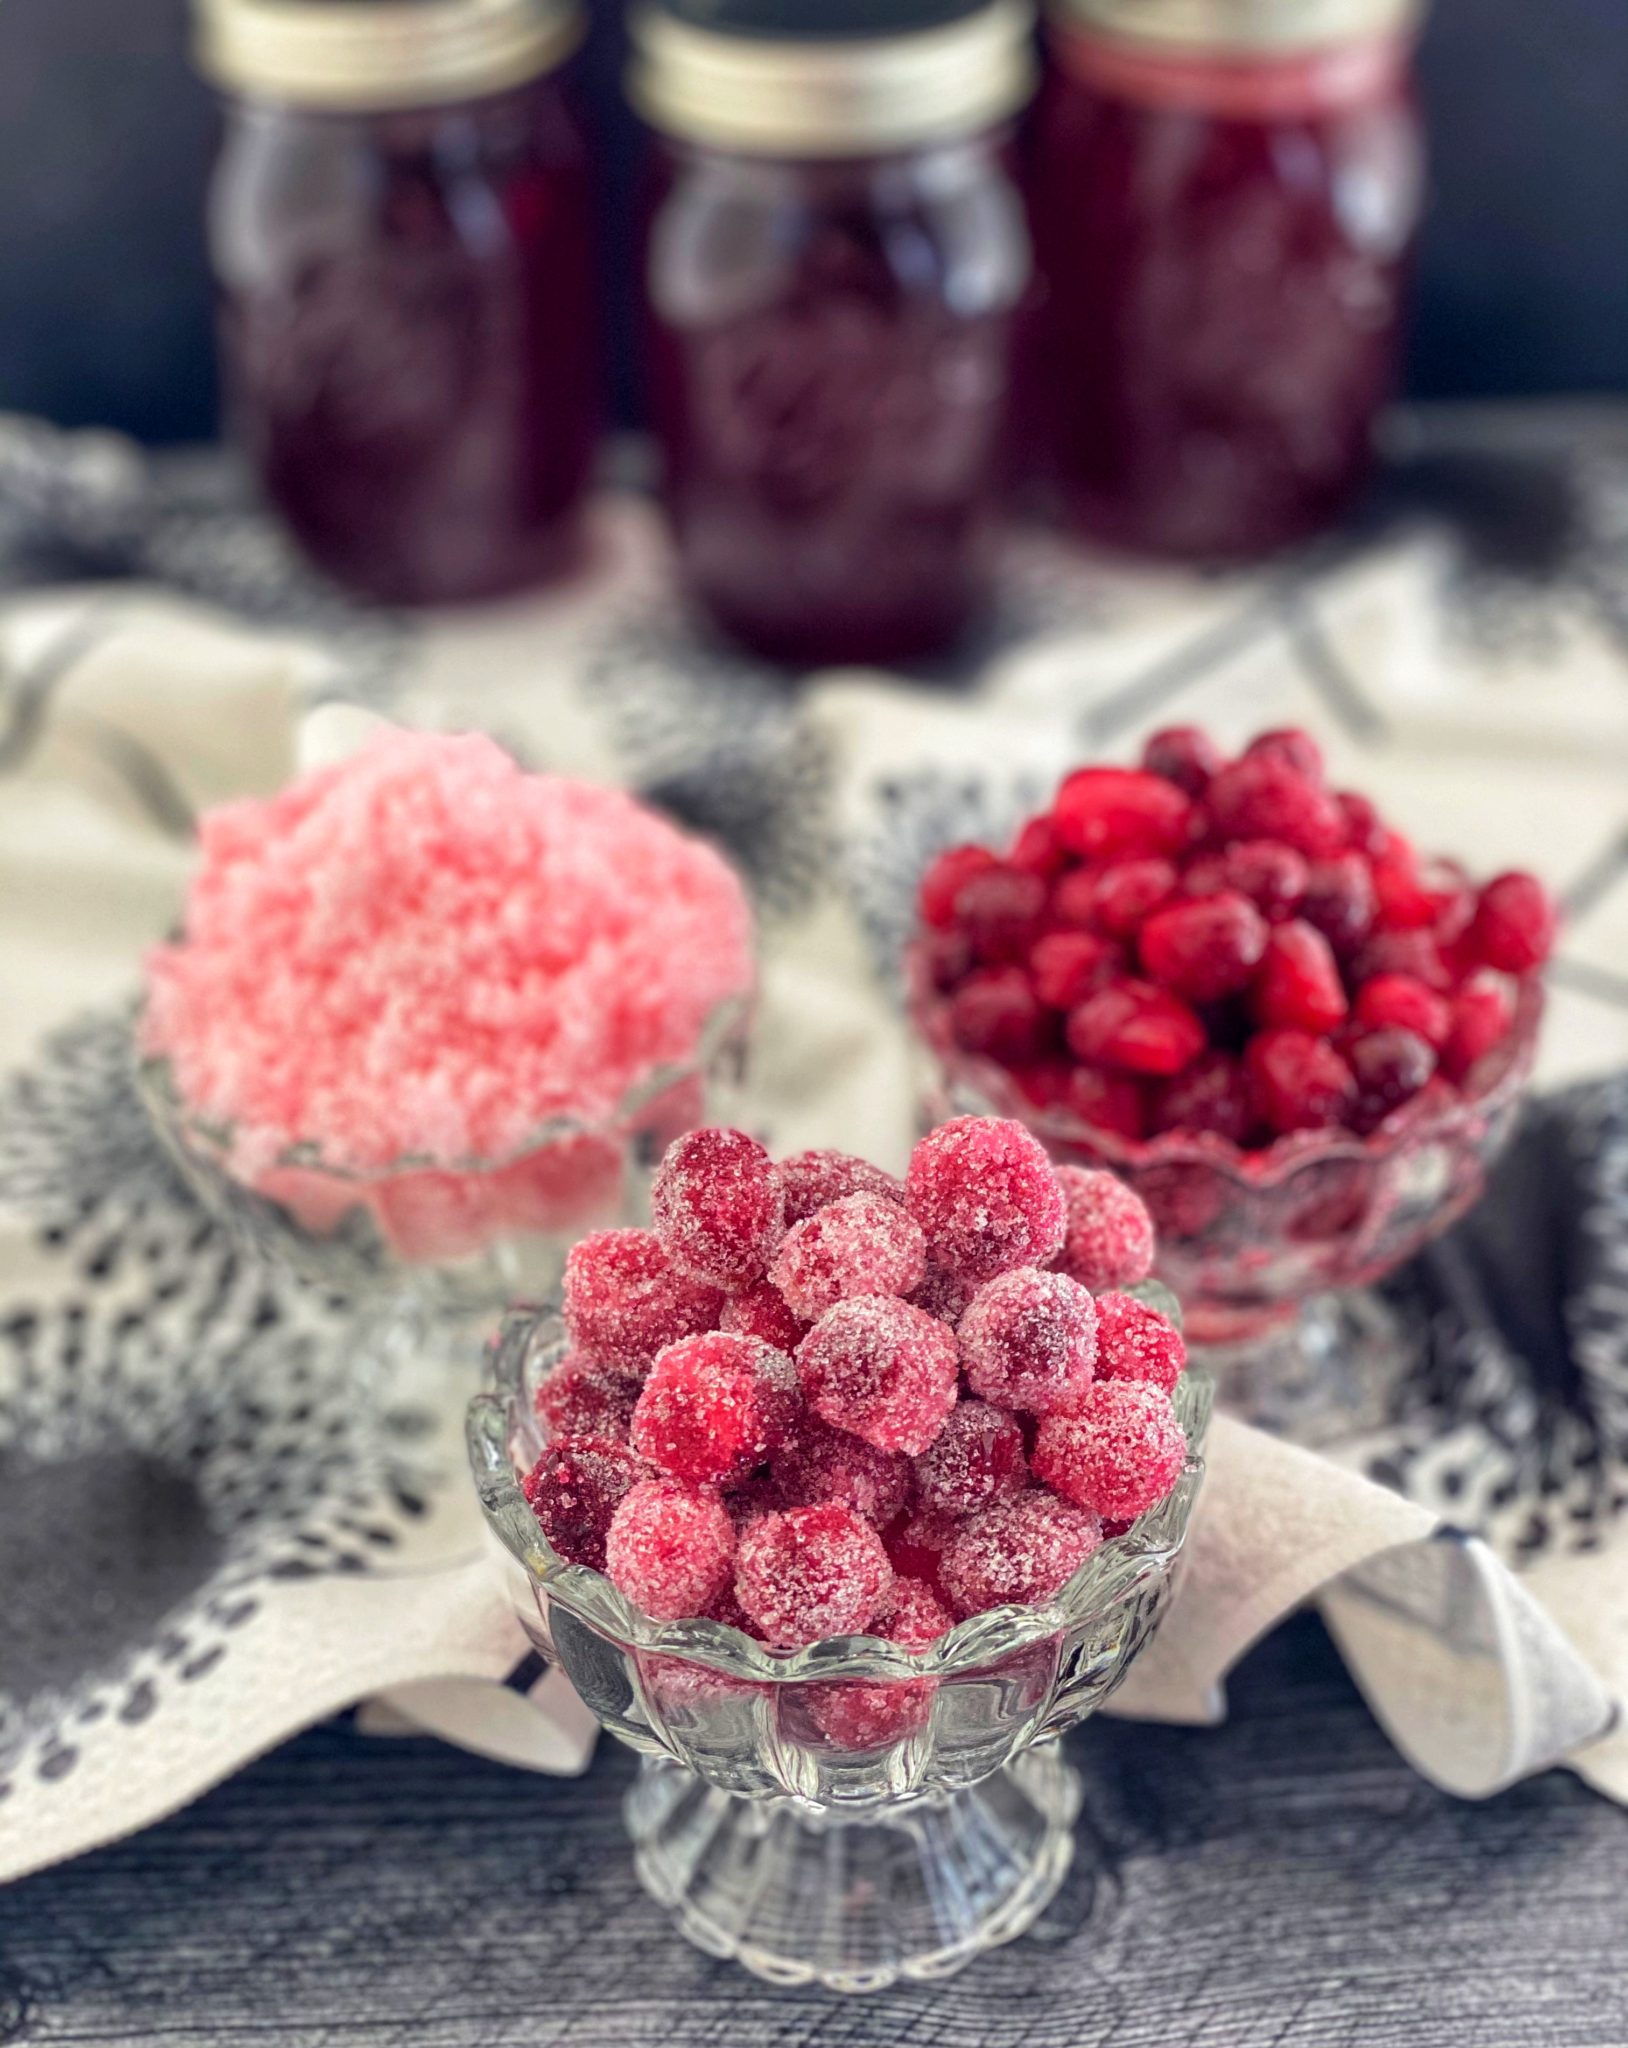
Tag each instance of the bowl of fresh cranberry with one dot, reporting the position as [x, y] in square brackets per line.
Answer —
[1301, 1042]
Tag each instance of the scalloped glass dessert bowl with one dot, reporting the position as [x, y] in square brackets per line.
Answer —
[855, 1812]
[1273, 1253]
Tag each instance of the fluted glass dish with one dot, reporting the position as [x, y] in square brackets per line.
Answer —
[755, 1819]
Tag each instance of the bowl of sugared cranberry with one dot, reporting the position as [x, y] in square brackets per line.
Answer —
[1299, 1040]
[837, 1495]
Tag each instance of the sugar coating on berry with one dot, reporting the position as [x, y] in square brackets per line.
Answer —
[812, 1180]
[882, 1369]
[762, 1311]
[862, 1244]
[986, 1197]
[574, 1490]
[914, 1614]
[714, 1405]
[416, 951]
[810, 1573]
[1135, 1342]
[818, 1463]
[1029, 1340]
[716, 1206]
[1109, 1236]
[624, 1301]
[1017, 1552]
[976, 1457]
[1118, 1454]
[670, 1549]
[941, 1295]
[580, 1398]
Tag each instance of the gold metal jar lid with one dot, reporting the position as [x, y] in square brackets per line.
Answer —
[812, 95]
[364, 55]
[1244, 27]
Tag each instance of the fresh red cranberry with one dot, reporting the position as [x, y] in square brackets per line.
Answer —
[1204, 949]
[949, 958]
[1109, 1102]
[1365, 828]
[1066, 967]
[1339, 900]
[1044, 1082]
[1136, 1027]
[1037, 850]
[1299, 987]
[942, 882]
[1292, 746]
[995, 1013]
[1000, 910]
[1273, 876]
[1415, 953]
[1214, 1094]
[1184, 755]
[1074, 899]
[1514, 929]
[1400, 1001]
[1104, 811]
[1300, 1082]
[1482, 1018]
[1390, 1066]
[1404, 903]
[1127, 892]
[1264, 797]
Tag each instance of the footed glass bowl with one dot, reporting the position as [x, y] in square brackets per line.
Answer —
[855, 1812]
[1271, 1253]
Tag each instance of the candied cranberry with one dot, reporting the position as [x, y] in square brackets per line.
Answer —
[1271, 875]
[1000, 910]
[1214, 1094]
[810, 1573]
[809, 1180]
[1127, 892]
[977, 1456]
[1037, 850]
[1066, 967]
[949, 958]
[624, 1300]
[1029, 1339]
[714, 1406]
[882, 1369]
[1482, 1017]
[941, 1295]
[1300, 1082]
[1136, 1027]
[819, 1463]
[996, 1014]
[1204, 949]
[917, 1546]
[859, 1713]
[942, 882]
[1017, 1552]
[1339, 901]
[914, 1614]
[1184, 755]
[580, 1398]
[984, 1193]
[717, 1207]
[1292, 746]
[1264, 797]
[1400, 1000]
[575, 1488]
[1415, 953]
[763, 1312]
[1364, 827]
[1109, 1102]
[1298, 987]
[1109, 1237]
[1105, 811]
[670, 1549]
[1514, 928]
[1135, 1342]
[1391, 1066]
[860, 1245]
[1118, 1454]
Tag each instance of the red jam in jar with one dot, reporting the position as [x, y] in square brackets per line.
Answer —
[1224, 217]
[400, 223]
[836, 263]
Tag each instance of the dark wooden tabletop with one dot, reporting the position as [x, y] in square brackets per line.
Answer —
[1282, 1881]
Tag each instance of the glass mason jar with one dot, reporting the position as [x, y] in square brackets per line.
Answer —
[400, 226]
[837, 259]
[1225, 196]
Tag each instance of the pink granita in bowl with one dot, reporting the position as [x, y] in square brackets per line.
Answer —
[434, 1007]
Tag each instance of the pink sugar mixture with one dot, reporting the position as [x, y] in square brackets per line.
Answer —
[425, 951]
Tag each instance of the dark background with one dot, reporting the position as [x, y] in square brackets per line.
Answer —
[104, 142]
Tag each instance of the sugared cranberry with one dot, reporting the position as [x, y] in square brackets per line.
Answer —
[714, 1406]
[1482, 1017]
[810, 1573]
[1037, 850]
[1300, 1082]
[1017, 1552]
[1118, 1454]
[1391, 1065]
[996, 1014]
[977, 1456]
[575, 1488]
[809, 1180]
[1289, 744]
[624, 1300]
[670, 1549]
[1184, 755]
[882, 1369]
[1265, 797]
[941, 1294]
[1204, 949]
[1339, 900]
[717, 1208]
[942, 882]
[1298, 987]
[984, 1193]
[818, 1463]
[1214, 1094]
[1000, 910]
[1110, 1102]
[914, 1615]
[580, 1398]
[1029, 1340]
[1124, 894]
[1135, 1342]
[763, 1312]
[1514, 928]
[1066, 967]
[1136, 1027]
[1109, 1237]
[860, 1245]
[1102, 812]
[1364, 827]
[1397, 999]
